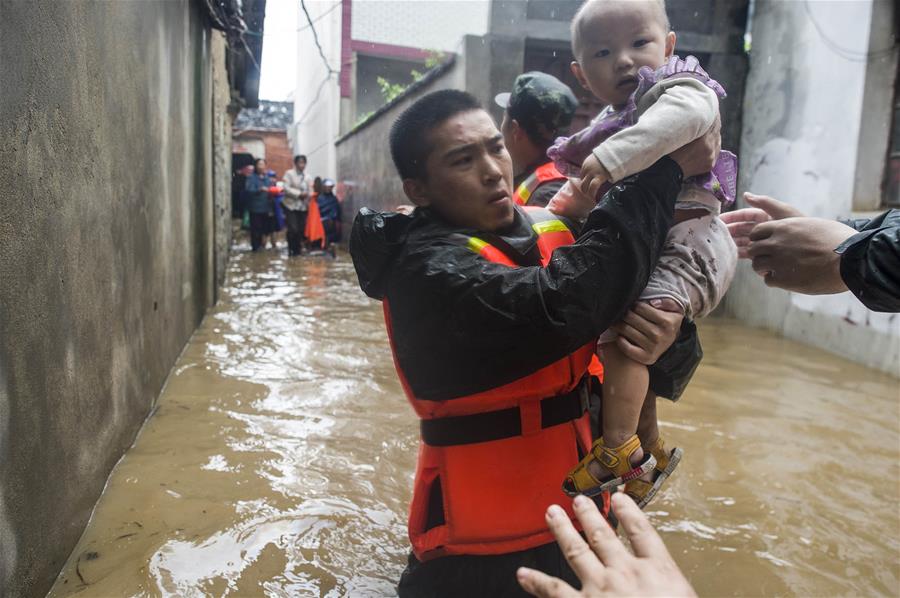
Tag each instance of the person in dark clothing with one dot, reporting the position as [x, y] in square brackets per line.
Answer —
[816, 256]
[330, 213]
[464, 327]
[538, 109]
[259, 204]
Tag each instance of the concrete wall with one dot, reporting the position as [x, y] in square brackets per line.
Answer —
[317, 99]
[365, 170]
[107, 258]
[426, 24]
[818, 99]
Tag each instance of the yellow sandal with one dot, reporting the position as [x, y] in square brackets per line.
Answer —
[642, 491]
[615, 460]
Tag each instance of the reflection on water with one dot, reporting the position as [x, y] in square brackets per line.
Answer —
[280, 460]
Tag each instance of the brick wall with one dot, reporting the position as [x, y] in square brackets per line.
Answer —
[278, 151]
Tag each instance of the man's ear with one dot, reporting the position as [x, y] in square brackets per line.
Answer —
[579, 74]
[417, 192]
[515, 129]
[670, 44]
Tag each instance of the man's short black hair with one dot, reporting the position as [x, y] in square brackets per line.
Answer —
[409, 133]
[300, 157]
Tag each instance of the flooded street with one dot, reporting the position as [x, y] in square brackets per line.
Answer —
[279, 461]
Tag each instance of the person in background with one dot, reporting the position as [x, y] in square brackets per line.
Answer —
[330, 213]
[539, 108]
[259, 204]
[297, 189]
[315, 234]
[816, 256]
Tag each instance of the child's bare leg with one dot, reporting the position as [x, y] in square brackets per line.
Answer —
[625, 385]
[648, 425]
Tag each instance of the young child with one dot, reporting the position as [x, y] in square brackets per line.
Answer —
[656, 104]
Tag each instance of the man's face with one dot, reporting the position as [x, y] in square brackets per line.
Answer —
[301, 165]
[469, 180]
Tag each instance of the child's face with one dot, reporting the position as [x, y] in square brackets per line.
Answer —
[617, 39]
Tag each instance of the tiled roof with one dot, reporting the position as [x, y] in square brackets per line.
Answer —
[269, 115]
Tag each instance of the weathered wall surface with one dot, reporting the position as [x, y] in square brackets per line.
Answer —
[223, 120]
[365, 168]
[106, 250]
[817, 116]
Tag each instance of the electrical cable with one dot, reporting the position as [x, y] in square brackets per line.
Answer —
[315, 99]
[316, 38]
[846, 53]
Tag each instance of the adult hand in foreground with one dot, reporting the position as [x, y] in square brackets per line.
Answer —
[606, 568]
[648, 330]
[762, 209]
[700, 155]
[790, 251]
[797, 254]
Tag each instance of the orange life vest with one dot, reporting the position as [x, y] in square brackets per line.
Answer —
[542, 174]
[486, 490]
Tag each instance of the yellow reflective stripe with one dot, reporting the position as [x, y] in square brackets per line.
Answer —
[524, 192]
[475, 244]
[549, 226]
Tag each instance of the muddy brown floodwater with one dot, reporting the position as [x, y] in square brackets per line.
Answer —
[280, 460]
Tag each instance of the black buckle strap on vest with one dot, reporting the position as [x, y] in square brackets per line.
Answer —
[504, 423]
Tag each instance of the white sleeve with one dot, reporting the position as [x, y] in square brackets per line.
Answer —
[685, 110]
[289, 190]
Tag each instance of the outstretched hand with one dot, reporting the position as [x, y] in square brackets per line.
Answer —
[762, 209]
[603, 564]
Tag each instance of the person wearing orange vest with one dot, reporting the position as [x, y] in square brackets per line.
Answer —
[492, 311]
[538, 109]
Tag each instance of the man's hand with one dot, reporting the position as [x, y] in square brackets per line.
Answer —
[763, 209]
[649, 329]
[797, 254]
[593, 175]
[606, 568]
[701, 154]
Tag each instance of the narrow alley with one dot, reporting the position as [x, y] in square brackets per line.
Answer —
[279, 461]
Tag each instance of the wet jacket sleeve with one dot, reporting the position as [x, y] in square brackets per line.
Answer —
[870, 262]
[497, 324]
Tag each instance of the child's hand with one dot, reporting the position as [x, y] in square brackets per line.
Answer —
[593, 175]
[570, 202]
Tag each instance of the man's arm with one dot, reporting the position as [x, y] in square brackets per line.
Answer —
[870, 262]
[289, 189]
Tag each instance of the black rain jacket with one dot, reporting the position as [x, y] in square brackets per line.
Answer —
[870, 261]
[463, 325]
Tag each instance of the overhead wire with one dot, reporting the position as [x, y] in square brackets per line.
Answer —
[846, 53]
[316, 37]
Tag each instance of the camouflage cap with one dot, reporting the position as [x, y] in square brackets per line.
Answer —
[542, 104]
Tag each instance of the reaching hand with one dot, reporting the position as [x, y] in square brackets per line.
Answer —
[606, 568]
[593, 175]
[649, 329]
[570, 202]
[797, 254]
[763, 209]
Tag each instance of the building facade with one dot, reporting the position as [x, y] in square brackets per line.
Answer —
[355, 43]
[821, 132]
[262, 133]
[115, 230]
